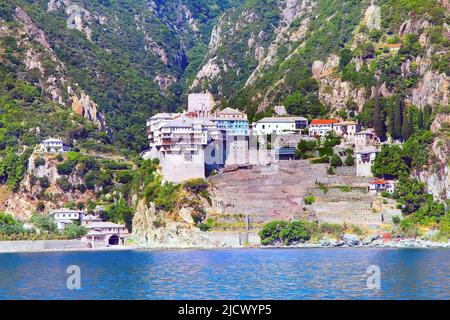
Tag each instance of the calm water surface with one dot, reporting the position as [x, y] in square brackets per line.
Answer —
[229, 274]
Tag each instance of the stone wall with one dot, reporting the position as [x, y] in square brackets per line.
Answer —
[44, 245]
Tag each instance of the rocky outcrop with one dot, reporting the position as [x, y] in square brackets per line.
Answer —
[85, 107]
[153, 229]
[23, 202]
[436, 175]
[164, 82]
[372, 17]
[334, 92]
[291, 9]
[432, 90]
[77, 17]
[209, 71]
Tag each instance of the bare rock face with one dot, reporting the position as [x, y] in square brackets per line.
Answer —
[164, 82]
[152, 229]
[209, 71]
[445, 4]
[437, 175]
[291, 9]
[432, 90]
[372, 17]
[32, 30]
[85, 107]
[23, 202]
[317, 68]
[77, 17]
[336, 93]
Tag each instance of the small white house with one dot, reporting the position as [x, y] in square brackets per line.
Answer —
[346, 128]
[366, 138]
[280, 111]
[103, 234]
[65, 216]
[365, 158]
[381, 185]
[321, 127]
[280, 125]
[53, 145]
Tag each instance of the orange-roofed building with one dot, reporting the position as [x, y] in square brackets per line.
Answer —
[380, 185]
[393, 47]
[321, 127]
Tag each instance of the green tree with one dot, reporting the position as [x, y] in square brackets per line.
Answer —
[345, 56]
[119, 212]
[296, 231]
[335, 161]
[272, 232]
[390, 163]
[379, 120]
[349, 161]
[43, 223]
[75, 231]
[410, 194]
[408, 125]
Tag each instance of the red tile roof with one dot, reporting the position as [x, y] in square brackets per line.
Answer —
[379, 181]
[323, 121]
[393, 45]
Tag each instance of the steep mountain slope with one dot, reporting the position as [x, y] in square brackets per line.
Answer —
[263, 54]
[126, 55]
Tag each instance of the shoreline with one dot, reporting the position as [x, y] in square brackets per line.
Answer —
[408, 244]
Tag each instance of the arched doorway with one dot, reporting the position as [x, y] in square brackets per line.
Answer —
[89, 245]
[113, 240]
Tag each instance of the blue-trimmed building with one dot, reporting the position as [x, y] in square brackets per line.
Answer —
[233, 121]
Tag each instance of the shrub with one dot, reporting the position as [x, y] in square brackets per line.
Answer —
[43, 223]
[44, 182]
[40, 207]
[395, 219]
[330, 171]
[39, 162]
[114, 165]
[295, 232]
[74, 231]
[203, 227]
[309, 200]
[196, 185]
[124, 177]
[8, 225]
[345, 188]
[349, 161]
[331, 228]
[323, 187]
[66, 167]
[271, 232]
[325, 159]
[445, 225]
[408, 228]
[336, 161]
[64, 184]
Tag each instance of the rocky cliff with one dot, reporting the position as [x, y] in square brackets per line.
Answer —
[437, 174]
[156, 229]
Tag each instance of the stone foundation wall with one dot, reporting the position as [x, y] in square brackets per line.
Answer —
[42, 245]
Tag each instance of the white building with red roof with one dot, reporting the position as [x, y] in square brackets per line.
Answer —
[321, 127]
[381, 185]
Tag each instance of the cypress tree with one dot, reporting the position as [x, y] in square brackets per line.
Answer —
[391, 126]
[379, 120]
[408, 125]
[398, 118]
[427, 117]
[420, 120]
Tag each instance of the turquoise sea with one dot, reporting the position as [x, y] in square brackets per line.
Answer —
[229, 274]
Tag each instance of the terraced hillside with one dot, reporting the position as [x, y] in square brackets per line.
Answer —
[266, 194]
